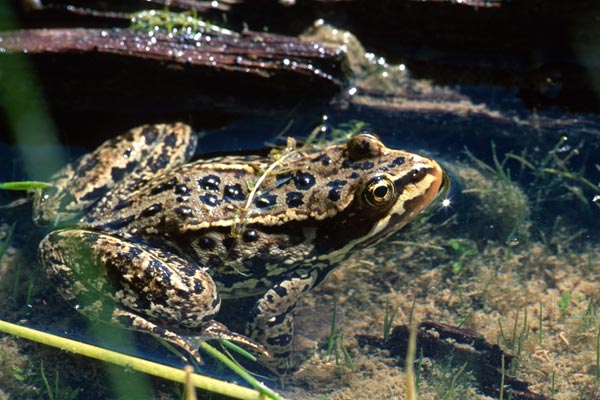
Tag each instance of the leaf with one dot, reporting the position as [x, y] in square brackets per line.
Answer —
[24, 185]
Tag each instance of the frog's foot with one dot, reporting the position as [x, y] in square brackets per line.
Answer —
[135, 322]
[211, 330]
[214, 330]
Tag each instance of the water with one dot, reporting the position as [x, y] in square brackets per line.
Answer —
[512, 253]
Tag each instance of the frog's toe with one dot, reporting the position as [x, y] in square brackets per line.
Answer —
[135, 322]
[214, 330]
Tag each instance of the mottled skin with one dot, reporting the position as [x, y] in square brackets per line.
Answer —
[147, 241]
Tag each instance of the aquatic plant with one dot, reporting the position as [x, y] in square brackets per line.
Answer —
[498, 201]
[152, 368]
[388, 320]
[564, 302]
[514, 342]
[335, 342]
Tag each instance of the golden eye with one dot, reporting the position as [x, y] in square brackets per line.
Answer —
[379, 191]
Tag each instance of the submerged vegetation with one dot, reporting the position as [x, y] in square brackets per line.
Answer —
[481, 268]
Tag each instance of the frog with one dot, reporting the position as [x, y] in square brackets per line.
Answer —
[142, 236]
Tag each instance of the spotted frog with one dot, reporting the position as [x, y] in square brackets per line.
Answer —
[145, 239]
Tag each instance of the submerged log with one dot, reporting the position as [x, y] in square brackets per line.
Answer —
[463, 347]
[248, 52]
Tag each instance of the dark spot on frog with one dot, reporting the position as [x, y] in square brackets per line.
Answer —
[127, 152]
[294, 199]
[210, 200]
[159, 163]
[122, 204]
[184, 212]
[151, 211]
[97, 193]
[250, 235]
[198, 286]
[214, 262]
[266, 200]
[397, 162]
[335, 193]
[270, 299]
[149, 133]
[86, 166]
[283, 178]
[303, 180]
[418, 174]
[117, 174]
[188, 270]
[163, 186]
[228, 242]
[171, 140]
[280, 290]
[337, 183]
[215, 302]
[182, 190]
[281, 340]
[323, 158]
[120, 223]
[210, 182]
[365, 165]
[234, 192]
[124, 320]
[206, 243]
[354, 175]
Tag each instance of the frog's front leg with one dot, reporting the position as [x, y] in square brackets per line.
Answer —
[115, 167]
[272, 320]
[136, 286]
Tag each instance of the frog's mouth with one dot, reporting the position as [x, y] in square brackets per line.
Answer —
[409, 205]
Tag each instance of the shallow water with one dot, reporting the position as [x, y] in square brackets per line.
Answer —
[513, 255]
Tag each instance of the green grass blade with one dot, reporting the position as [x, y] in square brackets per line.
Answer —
[24, 185]
[138, 364]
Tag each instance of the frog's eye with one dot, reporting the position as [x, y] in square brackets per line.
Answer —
[379, 191]
[364, 145]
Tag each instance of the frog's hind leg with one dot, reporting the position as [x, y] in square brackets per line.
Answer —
[123, 161]
[143, 288]
[132, 321]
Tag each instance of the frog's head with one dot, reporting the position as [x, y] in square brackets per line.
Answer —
[385, 189]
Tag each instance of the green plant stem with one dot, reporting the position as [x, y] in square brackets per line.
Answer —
[502, 380]
[541, 319]
[332, 335]
[207, 348]
[598, 356]
[24, 185]
[137, 364]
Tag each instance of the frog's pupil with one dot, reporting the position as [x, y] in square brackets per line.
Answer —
[380, 191]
